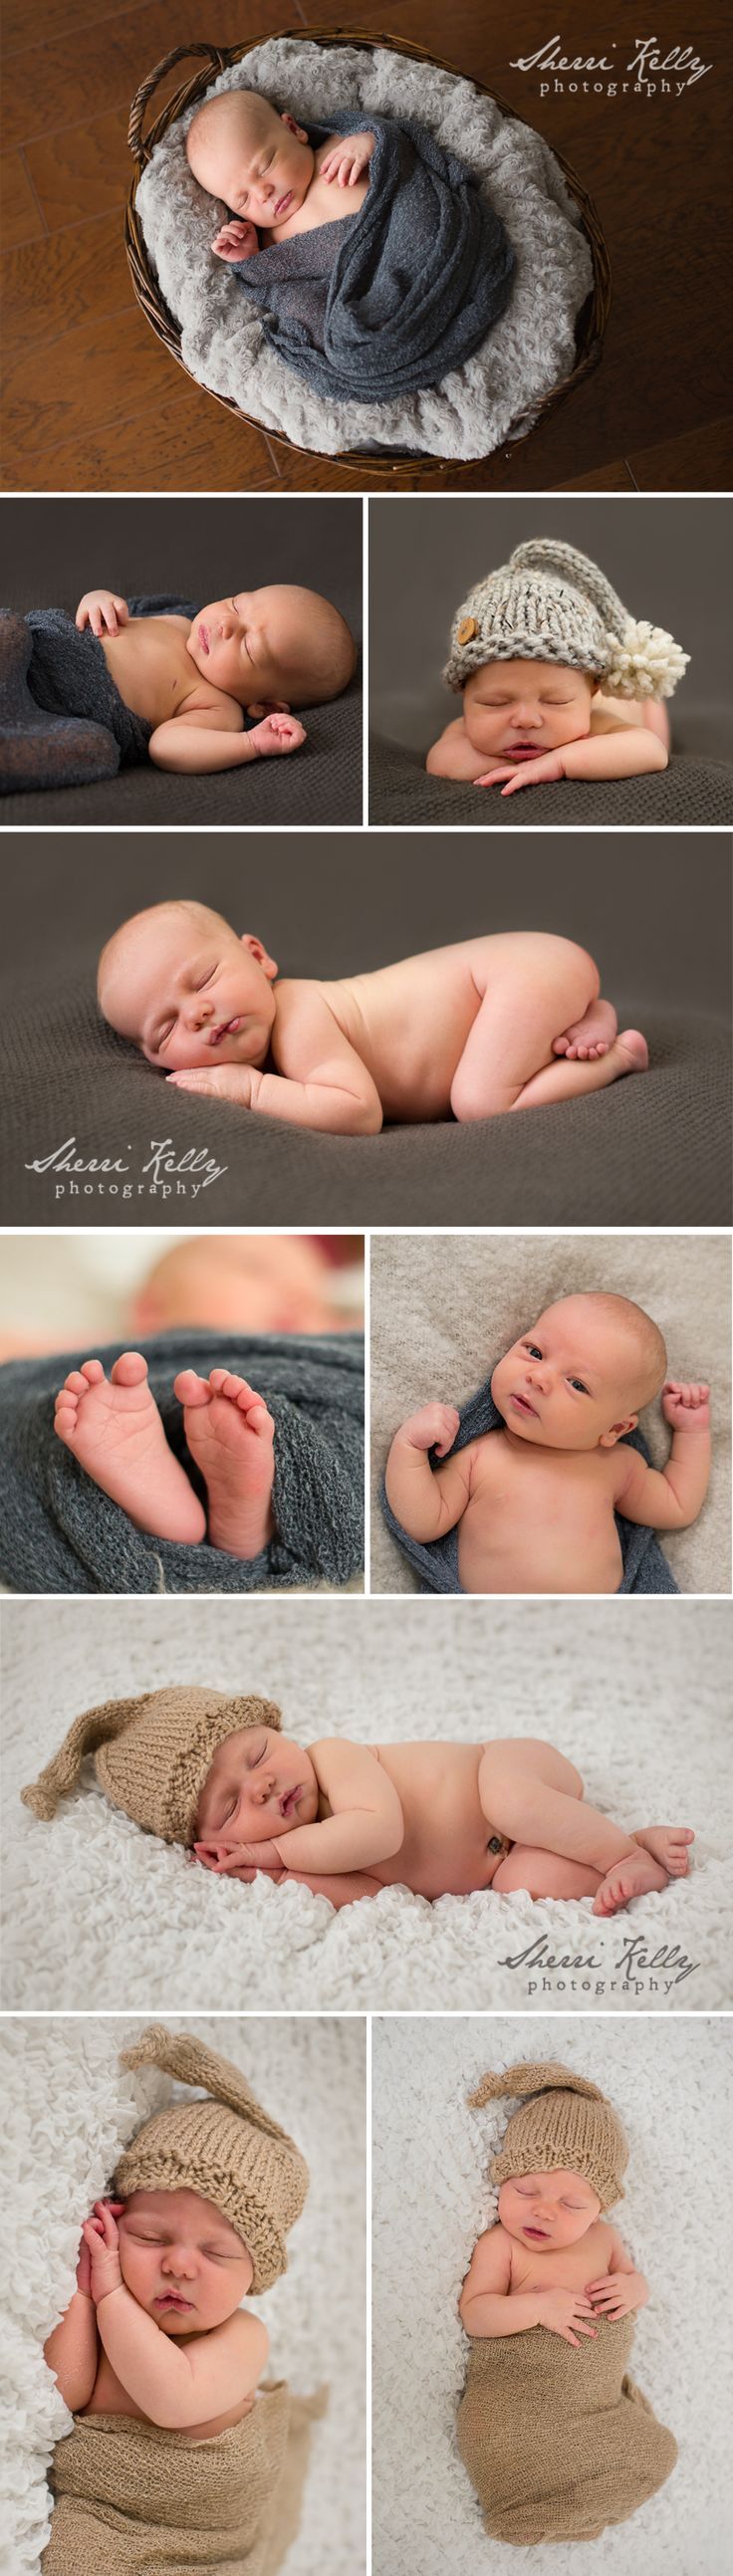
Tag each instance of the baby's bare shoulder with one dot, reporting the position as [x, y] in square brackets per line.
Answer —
[245, 2337]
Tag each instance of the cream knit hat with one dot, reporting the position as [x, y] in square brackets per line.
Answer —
[225, 2148]
[568, 2124]
[152, 1754]
[551, 604]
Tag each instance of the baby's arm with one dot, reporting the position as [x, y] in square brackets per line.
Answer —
[453, 756]
[670, 1498]
[346, 1889]
[621, 2289]
[176, 2385]
[486, 2308]
[72, 2351]
[211, 738]
[367, 1823]
[328, 1089]
[349, 158]
[428, 1501]
[625, 753]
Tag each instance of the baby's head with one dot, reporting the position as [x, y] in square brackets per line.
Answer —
[182, 2260]
[562, 2156]
[531, 643]
[257, 160]
[260, 1784]
[274, 648]
[515, 710]
[181, 983]
[240, 1283]
[577, 1379]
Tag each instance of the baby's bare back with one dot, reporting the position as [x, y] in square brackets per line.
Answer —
[539, 1520]
[155, 675]
[409, 1022]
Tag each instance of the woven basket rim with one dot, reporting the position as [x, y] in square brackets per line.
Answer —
[590, 324]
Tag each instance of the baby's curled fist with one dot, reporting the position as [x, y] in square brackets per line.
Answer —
[686, 1407]
[434, 1427]
[100, 608]
[236, 240]
[348, 159]
[101, 2237]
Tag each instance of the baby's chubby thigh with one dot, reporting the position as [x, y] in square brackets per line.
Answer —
[516, 1776]
[540, 1873]
[531, 987]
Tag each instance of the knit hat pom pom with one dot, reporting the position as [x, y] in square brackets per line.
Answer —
[644, 662]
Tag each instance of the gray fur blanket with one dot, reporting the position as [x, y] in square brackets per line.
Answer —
[61, 1534]
[644, 1563]
[410, 288]
[62, 720]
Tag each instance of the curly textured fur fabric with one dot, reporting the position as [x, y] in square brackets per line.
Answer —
[61, 1534]
[532, 348]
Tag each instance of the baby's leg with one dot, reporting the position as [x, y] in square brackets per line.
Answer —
[529, 1791]
[230, 1434]
[543, 1873]
[113, 1428]
[539, 987]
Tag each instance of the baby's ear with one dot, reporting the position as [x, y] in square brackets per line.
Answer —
[289, 121]
[618, 1431]
[270, 707]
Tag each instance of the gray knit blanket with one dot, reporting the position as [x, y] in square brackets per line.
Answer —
[62, 720]
[59, 1533]
[645, 1566]
[411, 286]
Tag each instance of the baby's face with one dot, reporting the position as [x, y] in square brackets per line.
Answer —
[260, 1784]
[190, 995]
[515, 710]
[260, 162]
[251, 1283]
[546, 2211]
[567, 1383]
[256, 646]
[182, 2261]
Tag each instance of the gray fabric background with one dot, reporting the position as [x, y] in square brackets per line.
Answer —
[664, 558]
[443, 1311]
[649, 1151]
[55, 550]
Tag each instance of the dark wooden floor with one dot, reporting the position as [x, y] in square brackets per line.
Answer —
[92, 400]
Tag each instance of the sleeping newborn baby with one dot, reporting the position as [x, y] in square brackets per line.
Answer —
[542, 651]
[192, 680]
[534, 1504]
[505, 1022]
[373, 258]
[216, 1774]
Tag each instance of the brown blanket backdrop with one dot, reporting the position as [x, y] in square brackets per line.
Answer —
[656, 913]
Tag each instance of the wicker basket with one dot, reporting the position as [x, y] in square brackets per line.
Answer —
[592, 319]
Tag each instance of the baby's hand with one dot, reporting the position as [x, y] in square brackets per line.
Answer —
[277, 733]
[434, 1427]
[615, 2294]
[236, 241]
[84, 2270]
[561, 2310]
[348, 159]
[251, 1856]
[686, 1408]
[100, 608]
[220, 1081]
[101, 2235]
[532, 773]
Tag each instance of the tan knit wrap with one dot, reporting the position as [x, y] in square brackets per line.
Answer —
[225, 2148]
[568, 2126]
[152, 1754]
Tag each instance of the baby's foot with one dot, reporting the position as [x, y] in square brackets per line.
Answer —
[276, 733]
[669, 1844]
[632, 1877]
[112, 1425]
[591, 1036]
[230, 1434]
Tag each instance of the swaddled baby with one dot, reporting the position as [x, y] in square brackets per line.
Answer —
[155, 2356]
[557, 2447]
[218, 1775]
[416, 275]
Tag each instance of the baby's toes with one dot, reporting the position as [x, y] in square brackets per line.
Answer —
[77, 1382]
[190, 1388]
[128, 1370]
[92, 1371]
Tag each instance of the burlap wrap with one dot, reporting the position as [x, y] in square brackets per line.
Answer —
[134, 2500]
[559, 2442]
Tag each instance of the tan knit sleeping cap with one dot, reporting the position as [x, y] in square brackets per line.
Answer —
[225, 2148]
[152, 1754]
[568, 2123]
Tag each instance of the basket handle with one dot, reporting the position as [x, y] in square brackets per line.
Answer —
[180, 54]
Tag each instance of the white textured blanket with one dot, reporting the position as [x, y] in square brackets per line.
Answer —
[97, 1911]
[674, 2090]
[67, 2110]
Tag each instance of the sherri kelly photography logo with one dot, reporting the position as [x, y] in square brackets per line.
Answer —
[636, 1968]
[168, 1173]
[654, 69]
